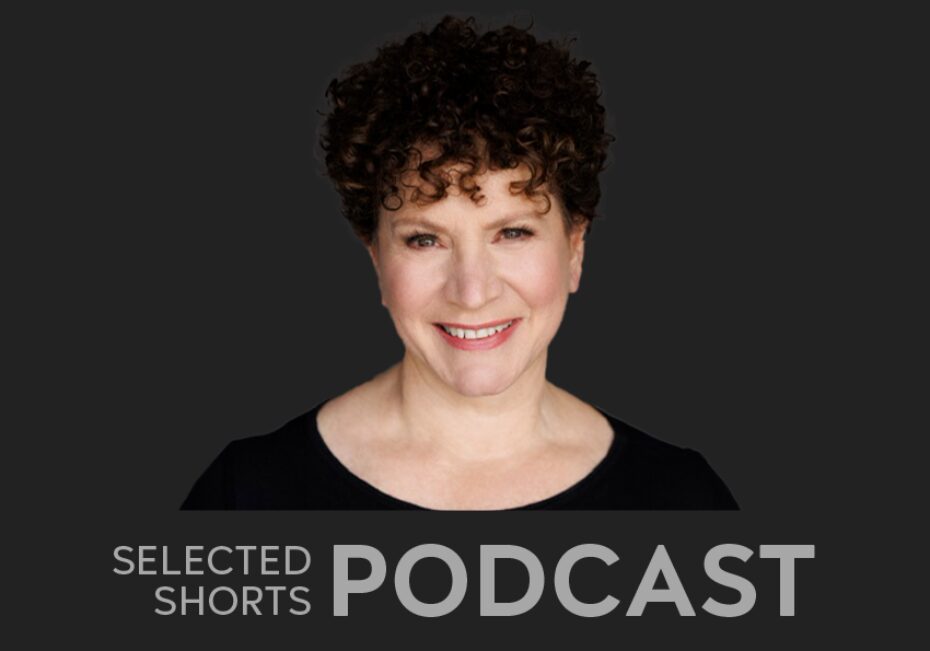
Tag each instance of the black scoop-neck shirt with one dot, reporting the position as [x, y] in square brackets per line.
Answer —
[292, 468]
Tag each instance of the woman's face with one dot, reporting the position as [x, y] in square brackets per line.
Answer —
[459, 262]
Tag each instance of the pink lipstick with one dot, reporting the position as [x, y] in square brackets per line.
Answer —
[485, 343]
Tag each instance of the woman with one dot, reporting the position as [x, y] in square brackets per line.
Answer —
[467, 164]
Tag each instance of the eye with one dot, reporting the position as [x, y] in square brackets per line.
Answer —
[416, 239]
[427, 241]
[517, 233]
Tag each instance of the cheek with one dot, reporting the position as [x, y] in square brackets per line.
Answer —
[543, 279]
[406, 287]
[411, 288]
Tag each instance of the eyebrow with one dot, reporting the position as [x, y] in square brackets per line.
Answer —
[421, 221]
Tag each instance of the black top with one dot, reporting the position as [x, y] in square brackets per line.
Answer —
[292, 468]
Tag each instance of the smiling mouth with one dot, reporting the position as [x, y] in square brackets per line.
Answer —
[478, 332]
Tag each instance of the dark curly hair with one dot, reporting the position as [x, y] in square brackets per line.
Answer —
[486, 101]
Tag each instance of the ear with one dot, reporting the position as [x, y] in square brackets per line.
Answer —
[576, 246]
[373, 254]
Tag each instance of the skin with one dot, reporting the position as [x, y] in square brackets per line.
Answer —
[448, 428]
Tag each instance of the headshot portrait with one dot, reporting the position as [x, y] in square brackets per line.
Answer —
[561, 318]
[467, 162]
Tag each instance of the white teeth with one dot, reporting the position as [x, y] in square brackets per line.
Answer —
[476, 334]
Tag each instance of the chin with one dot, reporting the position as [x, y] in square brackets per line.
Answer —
[480, 382]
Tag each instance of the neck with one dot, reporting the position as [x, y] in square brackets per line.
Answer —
[473, 428]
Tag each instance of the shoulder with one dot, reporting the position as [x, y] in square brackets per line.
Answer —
[655, 474]
[263, 471]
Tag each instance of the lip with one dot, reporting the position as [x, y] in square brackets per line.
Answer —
[489, 324]
[479, 344]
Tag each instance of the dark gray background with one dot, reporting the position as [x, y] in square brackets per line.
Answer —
[196, 284]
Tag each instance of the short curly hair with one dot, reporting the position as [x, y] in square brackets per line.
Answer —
[494, 101]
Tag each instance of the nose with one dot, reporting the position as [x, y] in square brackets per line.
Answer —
[473, 279]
